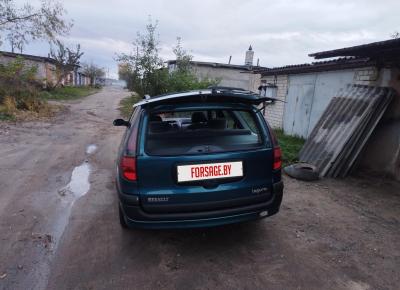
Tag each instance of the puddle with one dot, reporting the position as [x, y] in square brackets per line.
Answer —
[79, 184]
[91, 149]
[77, 187]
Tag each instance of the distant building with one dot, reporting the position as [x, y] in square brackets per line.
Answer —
[249, 57]
[229, 75]
[46, 69]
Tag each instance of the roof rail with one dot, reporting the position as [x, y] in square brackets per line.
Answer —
[222, 89]
[225, 88]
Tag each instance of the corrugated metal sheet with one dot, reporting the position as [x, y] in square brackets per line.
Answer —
[343, 129]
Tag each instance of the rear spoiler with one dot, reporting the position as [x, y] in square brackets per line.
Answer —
[215, 94]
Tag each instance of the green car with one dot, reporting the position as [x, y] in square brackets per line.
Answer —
[198, 159]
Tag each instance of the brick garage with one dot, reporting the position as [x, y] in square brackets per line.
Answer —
[308, 88]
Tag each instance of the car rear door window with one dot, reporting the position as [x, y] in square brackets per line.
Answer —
[202, 132]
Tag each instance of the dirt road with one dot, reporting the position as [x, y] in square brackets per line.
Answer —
[59, 224]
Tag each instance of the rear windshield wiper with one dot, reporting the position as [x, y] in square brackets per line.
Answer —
[269, 101]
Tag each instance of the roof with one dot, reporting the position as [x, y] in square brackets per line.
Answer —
[335, 64]
[385, 48]
[221, 65]
[231, 94]
[27, 56]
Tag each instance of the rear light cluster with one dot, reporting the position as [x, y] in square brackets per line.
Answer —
[277, 158]
[128, 168]
[277, 150]
[128, 162]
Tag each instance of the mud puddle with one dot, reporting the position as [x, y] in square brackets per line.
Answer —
[77, 187]
[79, 184]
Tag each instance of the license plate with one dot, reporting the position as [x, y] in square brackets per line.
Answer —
[205, 171]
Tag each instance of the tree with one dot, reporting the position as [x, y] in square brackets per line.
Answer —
[66, 60]
[93, 72]
[183, 77]
[395, 35]
[21, 24]
[141, 69]
[183, 58]
[144, 72]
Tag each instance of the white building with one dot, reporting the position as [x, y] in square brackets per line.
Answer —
[228, 75]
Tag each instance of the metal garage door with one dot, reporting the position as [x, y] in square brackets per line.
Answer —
[308, 96]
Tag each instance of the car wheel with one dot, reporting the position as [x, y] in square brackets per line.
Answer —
[122, 220]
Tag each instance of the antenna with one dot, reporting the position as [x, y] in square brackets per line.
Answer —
[230, 58]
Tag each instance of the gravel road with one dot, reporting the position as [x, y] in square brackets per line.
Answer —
[59, 222]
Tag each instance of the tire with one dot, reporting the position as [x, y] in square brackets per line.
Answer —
[302, 171]
[122, 220]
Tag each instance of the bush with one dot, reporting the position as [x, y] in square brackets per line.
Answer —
[19, 90]
[18, 80]
[125, 106]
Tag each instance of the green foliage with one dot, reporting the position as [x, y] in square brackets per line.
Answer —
[67, 93]
[125, 106]
[290, 146]
[141, 68]
[19, 91]
[144, 73]
[18, 80]
[182, 78]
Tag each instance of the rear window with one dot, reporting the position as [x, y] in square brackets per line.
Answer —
[202, 132]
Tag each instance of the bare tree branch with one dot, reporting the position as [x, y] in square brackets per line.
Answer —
[66, 60]
[23, 24]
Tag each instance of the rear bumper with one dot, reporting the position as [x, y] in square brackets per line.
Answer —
[137, 218]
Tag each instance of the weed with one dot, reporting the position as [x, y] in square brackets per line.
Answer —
[67, 93]
[126, 105]
[290, 145]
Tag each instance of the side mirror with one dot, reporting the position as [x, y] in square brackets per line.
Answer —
[121, 122]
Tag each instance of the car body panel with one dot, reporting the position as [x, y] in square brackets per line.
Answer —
[157, 200]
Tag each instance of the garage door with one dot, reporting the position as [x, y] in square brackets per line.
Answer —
[308, 96]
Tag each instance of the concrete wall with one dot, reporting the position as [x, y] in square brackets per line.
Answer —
[382, 152]
[46, 72]
[40, 65]
[228, 77]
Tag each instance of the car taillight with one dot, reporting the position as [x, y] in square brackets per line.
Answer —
[277, 158]
[128, 168]
[132, 141]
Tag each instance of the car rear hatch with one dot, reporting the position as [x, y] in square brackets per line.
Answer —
[203, 157]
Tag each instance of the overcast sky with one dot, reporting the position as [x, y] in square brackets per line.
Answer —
[281, 32]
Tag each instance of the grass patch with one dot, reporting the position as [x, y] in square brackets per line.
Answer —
[68, 93]
[125, 106]
[290, 146]
[4, 115]
[26, 109]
